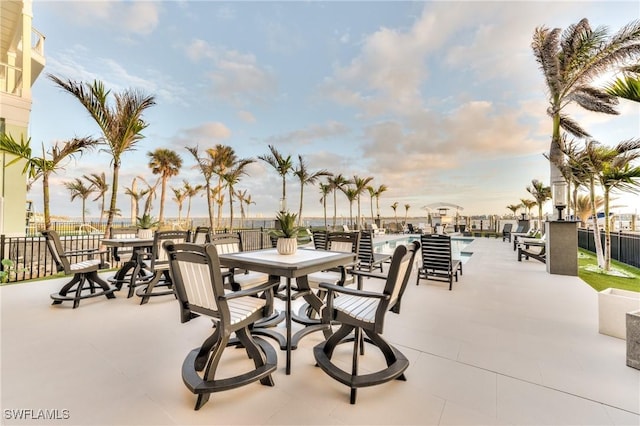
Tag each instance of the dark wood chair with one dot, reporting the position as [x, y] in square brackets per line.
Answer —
[85, 282]
[319, 239]
[158, 282]
[122, 254]
[201, 235]
[506, 232]
[200, 290]
[437, 261]
[358, 310]
[367, 257]
[536, 250]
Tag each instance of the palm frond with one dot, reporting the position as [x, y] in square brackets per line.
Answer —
[545, 47]
[627, 87]
[572, 127]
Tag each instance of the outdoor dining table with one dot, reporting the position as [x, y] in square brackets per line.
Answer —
[297, 265]
[131, 264]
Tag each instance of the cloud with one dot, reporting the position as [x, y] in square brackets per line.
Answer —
[235, 77]
[123, 16]
[312, 133]
[246, 116]
[208, 131]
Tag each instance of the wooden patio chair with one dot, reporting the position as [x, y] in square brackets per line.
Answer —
[158, 282]
[122, 254]
[200, 290]
[85, 282]
[201, 235]
[359, 310]
[319, 239]
[506, 231]
[437, 261]
[534, 249]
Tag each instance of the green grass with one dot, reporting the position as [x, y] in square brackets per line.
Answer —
[600, 281]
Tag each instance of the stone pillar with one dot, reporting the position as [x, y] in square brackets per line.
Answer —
[633, 339]
[562, 247]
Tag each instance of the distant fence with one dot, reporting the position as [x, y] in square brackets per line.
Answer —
[31, 257]
[625, 246]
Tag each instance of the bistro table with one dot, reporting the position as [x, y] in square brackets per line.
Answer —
[298, 266]
[131, 264]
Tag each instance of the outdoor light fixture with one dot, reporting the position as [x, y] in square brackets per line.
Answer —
[559, 189]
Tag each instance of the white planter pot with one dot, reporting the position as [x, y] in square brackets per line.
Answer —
[287, 245]
[613, 305]
[145, 234]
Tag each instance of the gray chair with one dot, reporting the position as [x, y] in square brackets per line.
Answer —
[124, 255]
[367, 257]
[85, 282]
[158, 282]
[200, 290]
[437, 261]
[358, 310]
[506, 231]
[201, 235]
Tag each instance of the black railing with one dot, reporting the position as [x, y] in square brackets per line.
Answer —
[31, 258]
[625, 246]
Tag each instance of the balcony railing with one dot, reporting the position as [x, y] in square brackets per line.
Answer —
[11, 75]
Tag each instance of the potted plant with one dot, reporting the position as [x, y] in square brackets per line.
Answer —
[145, 225]
[287, 233]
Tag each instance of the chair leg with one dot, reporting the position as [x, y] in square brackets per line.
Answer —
[254, 353]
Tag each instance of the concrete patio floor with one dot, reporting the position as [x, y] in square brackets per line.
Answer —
[510, 345]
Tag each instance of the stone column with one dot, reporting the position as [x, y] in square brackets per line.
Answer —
[562, 247]
[633, 339]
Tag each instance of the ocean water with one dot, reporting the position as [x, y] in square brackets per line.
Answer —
[458, 245]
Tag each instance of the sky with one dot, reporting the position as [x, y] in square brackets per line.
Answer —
[439, 101]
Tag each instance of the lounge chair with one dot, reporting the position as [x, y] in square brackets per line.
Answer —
[506, 231]
[85, 282]
[358, 310]
[532, 249]
[376, 230]
[200, 291]
[437, 261]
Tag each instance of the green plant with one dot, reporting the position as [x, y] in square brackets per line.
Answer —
[628, 277]
[287, 225]
[7, 268]
[146, 222]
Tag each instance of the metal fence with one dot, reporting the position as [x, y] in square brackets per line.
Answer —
[31, 258]
[625, 246]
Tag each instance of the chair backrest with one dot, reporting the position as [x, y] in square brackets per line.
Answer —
[506, 229]
[345, 228]
[320, 240]
[399, 271]
[346, 242]
[159, 259]
[123, 233]
[227, 243]
[365, 249]
[198, 282]
[201, 235]
[57, 252]
[436, 252]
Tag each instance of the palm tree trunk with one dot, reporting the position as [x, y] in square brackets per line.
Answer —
[596, 228]
[607, 232]
[114, 197]
[84, 209]
[300, 209]
[45, 200]
[230, 208]
[162, 198]
[335, 208]
[210, 205]
[358, 217]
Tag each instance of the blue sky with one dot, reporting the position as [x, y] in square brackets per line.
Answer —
[439, 101]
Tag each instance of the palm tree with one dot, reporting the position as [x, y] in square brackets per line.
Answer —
[179, 196]
[166, 163]
[100, 186]
[617, 174]
[514, 208]
[584, 210]
[79, 189]
[241, 196]
[120, 122]
[541, 194]
[528, 205]
[36, 167]
[570, 60]
[190, 192]
[231, 178]
[352, 194]
[205, 167]
[360, 187]
[382, 188]
[406, 212]
[325, 190]
[136, 196]
[283, 165]
[306, 177]
[221, 159]
[337, 182]
[394, 206]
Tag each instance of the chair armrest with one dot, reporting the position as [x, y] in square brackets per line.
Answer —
[250, 291]
[353, 291]
[368, 274]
